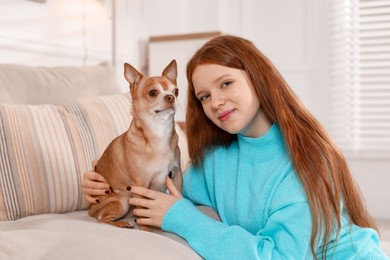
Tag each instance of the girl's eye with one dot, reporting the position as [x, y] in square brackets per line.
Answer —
[204, 98]
[153, 93]
[226, 84]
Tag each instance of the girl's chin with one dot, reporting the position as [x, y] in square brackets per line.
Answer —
[229, 129]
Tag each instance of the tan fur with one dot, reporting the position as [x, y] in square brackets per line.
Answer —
[147, 152]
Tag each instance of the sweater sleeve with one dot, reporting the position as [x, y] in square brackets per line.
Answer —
[195, 187]
[285, 235]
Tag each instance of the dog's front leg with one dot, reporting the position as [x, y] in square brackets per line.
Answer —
[111, 209]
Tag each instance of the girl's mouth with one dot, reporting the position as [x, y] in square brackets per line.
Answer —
[226, 115]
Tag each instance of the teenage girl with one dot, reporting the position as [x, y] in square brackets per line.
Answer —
[279, 183]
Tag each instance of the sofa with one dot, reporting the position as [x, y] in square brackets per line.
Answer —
[53, 122]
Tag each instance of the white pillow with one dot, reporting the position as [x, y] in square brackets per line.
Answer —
[45, 149]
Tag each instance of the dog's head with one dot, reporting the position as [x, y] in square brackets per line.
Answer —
[153, 96]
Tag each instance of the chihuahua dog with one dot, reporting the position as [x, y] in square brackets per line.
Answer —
[147, 152]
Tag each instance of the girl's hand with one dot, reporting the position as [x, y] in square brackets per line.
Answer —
[151, 206]
[94, 185]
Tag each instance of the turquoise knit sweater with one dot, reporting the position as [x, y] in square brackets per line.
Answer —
[262, 204]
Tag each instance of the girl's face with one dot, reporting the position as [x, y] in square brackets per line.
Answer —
[229, 99]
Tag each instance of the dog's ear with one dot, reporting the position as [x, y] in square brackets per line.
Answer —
[171, 71]
[132, 75]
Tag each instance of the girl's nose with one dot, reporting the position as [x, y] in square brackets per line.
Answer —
[218, 101]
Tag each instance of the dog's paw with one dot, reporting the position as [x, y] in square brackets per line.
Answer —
[124, 224]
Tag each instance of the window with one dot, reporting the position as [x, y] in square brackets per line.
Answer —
[360, 77]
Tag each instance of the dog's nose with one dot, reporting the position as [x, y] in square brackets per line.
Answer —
[170, 98]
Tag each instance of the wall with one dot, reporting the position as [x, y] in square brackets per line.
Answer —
[57, 32]
[293, 34]
[63, 32]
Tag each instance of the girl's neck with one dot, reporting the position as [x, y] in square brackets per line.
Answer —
[258, 127]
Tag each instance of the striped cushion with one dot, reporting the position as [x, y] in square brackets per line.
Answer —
[45, 149]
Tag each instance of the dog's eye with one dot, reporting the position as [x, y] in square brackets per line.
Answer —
[176, 92]
[153, 93]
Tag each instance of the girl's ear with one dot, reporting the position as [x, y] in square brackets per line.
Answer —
[171, 71]
[132, 75]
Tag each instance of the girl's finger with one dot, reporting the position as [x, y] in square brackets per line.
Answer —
[144, 192]
[172, 188]
[146, 222]
[139, 202]
[94, 180]
[96, 185]
[91, 199]
[144, 213]
[96, 192]
[94, 176]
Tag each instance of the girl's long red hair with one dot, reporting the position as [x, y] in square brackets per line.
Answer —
[318, 161]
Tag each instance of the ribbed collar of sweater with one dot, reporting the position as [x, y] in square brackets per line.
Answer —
[264, 148]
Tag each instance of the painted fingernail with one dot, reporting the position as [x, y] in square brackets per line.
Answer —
[128, 188]
[170, 175]
[107, 192]
[97, 200]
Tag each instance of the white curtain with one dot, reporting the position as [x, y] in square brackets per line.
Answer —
[360, 76]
